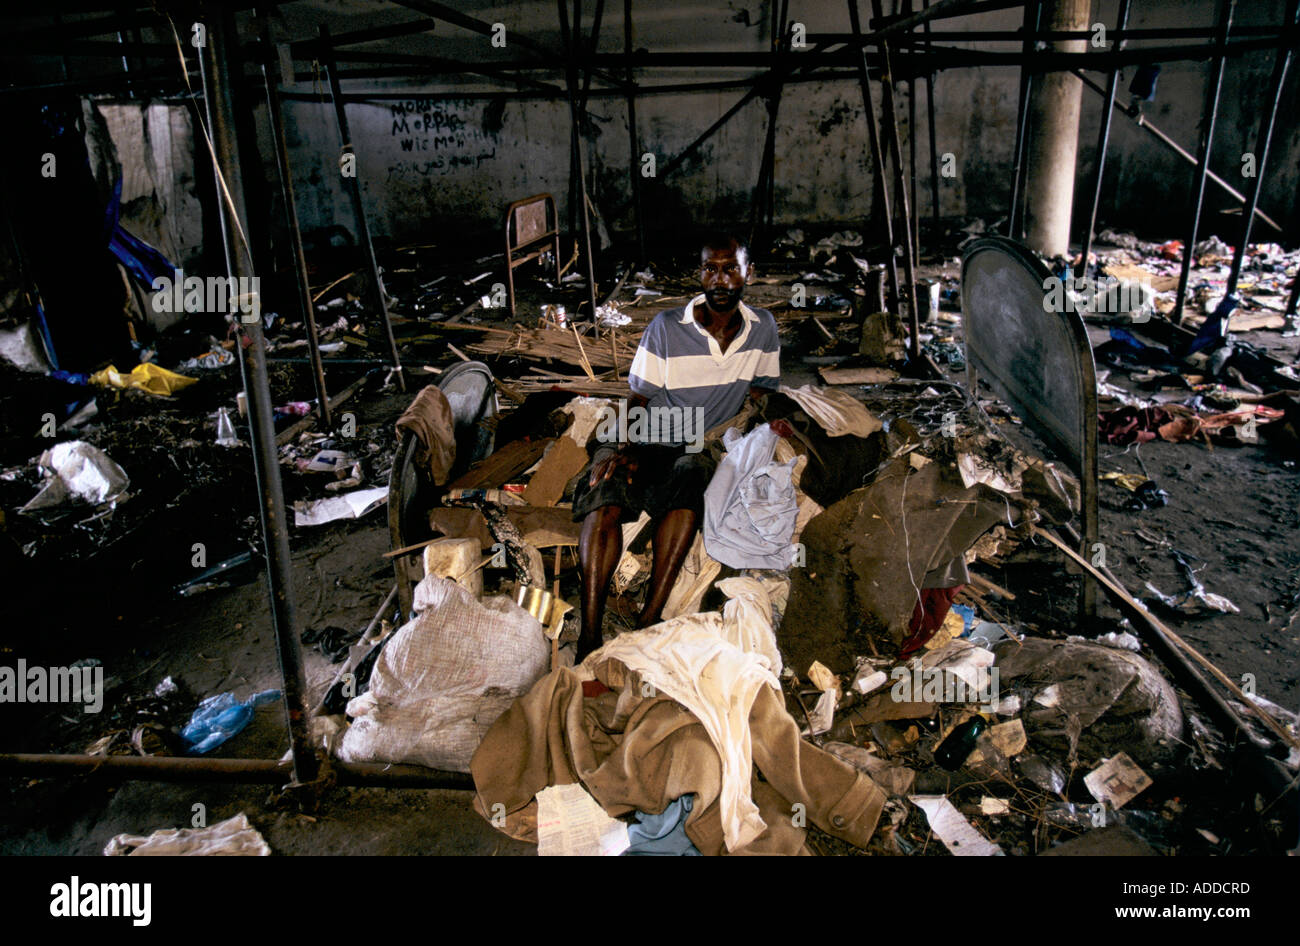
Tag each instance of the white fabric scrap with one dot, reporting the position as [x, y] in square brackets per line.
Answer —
[705, 662]
[570, 823]
[234, 837]
[951, 827]
[352, 505]
[836, 410]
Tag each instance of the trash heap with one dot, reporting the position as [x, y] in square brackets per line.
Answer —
[861, 651]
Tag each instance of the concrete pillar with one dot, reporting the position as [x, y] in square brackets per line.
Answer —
[1054, 137]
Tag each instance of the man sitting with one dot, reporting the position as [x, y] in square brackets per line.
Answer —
[692, 371]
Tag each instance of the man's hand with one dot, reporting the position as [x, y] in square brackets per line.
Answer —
[623, 463]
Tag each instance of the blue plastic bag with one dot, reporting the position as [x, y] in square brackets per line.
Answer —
[219, 717]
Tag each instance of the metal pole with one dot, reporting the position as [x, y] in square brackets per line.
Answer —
[877, 155]
[634, 141]
[1033, 11]
[1280, 66]
[1209, 117]
[266, 467]
[896, 156]
[911, 153]
[934, 147]
[353, 187]
[271, 76]
[1103, 140]
[575, 139]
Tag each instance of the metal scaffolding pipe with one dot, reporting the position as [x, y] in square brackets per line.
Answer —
[266, 466]
[1033, 13]
[900, 180]
[634, 141]
[877, 154]
[1141, 121]
[1280, 66]
[577, 165]
[1209, 117]
[353, 186]
[271, 76]
[235, 771]
[1103, 140]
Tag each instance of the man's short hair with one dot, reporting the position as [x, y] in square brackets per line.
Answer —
[717, 240]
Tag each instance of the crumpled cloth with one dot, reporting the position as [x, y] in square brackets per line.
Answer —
[429, 418]
[662, 834]
[750, 506]
[705, 663]
[234, 837]
[837, 411]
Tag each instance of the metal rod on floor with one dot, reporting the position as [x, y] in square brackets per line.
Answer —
[1281, 64]
[905, 215]
[218, 93]
[1033, 11]
[271, 76]
[1209, 117]
[236, 771]
[353, 186]
[877, 154]
[1103, 140]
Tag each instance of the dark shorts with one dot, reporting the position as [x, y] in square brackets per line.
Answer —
[666, 478]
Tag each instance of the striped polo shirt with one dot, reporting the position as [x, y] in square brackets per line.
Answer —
[679, 364]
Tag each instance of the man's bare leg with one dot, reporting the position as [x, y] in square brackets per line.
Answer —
[600, 546]
[673, 536]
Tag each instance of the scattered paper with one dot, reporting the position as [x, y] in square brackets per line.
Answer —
[570, 823]
[994, 806]
[1049, 696]
[1009, 738]
[823, 714]
[975, 469]
[348, 506]
[951, 827]
[822, 678]
[1117, 781]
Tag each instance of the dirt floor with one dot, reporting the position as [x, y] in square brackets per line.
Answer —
[1236, 510]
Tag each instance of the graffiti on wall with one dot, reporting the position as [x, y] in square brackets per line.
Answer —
[437, 137]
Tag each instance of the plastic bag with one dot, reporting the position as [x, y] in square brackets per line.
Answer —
[219, 717]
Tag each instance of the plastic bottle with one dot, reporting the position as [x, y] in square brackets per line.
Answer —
[225, 429]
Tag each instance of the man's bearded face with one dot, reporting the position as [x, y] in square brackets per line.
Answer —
[723, 273]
